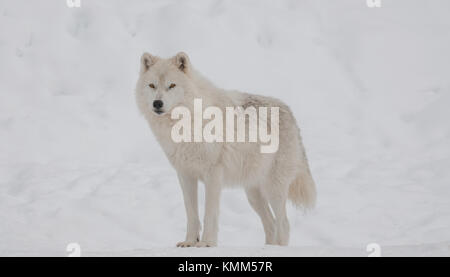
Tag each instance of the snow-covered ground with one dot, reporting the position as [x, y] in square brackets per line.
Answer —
[370, 88]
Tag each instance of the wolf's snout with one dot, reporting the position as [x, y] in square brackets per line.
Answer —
[158, 104]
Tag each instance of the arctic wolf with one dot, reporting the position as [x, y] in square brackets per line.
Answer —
[269, 179]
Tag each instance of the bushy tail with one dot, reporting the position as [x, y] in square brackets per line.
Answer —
[302, 192]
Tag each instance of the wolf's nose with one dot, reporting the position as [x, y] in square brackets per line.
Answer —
[157, 104]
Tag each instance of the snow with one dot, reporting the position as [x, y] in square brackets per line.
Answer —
[369, 86]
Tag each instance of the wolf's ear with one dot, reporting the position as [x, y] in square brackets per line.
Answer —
[147, 61]
[182, 62]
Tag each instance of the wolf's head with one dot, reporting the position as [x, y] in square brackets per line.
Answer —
[162, 83]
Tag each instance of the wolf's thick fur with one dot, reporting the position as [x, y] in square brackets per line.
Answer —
[268, 179]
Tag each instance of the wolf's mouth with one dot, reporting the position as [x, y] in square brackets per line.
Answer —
[158, 111]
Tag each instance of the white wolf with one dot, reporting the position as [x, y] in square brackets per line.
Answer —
[269, 179]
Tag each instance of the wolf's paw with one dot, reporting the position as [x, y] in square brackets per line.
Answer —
[205, 244]
[187, 243]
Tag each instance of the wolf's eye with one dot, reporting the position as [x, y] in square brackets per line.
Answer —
[152, 85]
[172, 86]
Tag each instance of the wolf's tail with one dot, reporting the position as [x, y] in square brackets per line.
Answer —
[302, 191]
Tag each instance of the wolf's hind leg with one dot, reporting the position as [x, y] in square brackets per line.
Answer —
[189, 186]
[261, 206]
[278, 199]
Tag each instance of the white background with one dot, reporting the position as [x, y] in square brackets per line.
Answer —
[369, 87]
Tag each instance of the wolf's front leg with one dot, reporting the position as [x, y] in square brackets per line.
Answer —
[211, 220]
[189, 186]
